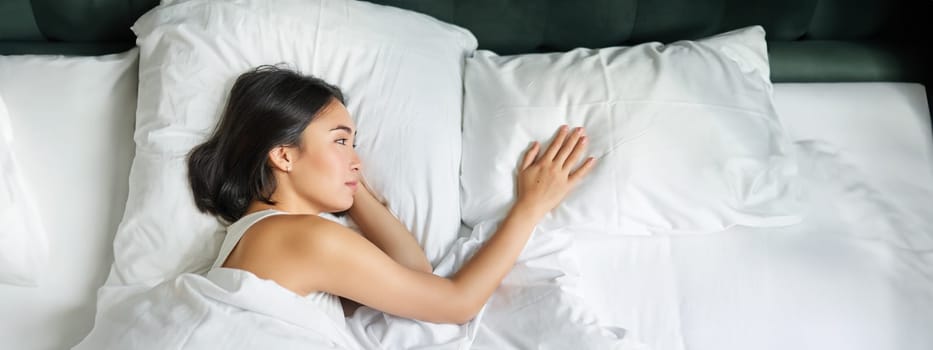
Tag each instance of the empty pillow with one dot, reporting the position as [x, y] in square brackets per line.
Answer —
[685, 135]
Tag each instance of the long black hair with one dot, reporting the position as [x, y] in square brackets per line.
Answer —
[268, 106]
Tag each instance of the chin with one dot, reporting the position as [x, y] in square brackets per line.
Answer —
[341, 210]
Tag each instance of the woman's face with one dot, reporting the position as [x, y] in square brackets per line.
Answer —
[326, 171]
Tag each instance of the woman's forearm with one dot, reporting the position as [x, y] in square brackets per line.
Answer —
[385, 231]
[483, 273]
[479, 277]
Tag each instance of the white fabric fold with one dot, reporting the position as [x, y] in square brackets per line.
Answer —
[227, 309]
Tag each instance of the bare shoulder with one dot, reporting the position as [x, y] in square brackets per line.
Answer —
[300, 234]
[289, 249]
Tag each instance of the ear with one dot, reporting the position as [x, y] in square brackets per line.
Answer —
[281, 157]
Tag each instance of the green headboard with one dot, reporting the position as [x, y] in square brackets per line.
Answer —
[809, 40]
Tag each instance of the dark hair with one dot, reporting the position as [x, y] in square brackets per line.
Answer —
[268, 107]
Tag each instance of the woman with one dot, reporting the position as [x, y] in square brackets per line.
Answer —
[283, 153]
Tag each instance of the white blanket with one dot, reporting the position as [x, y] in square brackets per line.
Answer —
[227, 309]
[857, 273]
[537, 306]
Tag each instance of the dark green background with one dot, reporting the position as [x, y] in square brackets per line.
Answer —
[809, 40]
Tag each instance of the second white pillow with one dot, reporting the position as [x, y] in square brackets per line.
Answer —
[685, 135]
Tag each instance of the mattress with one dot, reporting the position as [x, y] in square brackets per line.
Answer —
[76, 152]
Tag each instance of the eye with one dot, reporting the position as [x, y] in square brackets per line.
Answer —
[341, 141]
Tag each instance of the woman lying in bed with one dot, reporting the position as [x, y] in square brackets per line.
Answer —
[283, 153]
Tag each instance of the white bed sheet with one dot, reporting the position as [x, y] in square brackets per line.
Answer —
[73, 122]
[818, 285]
[883, 127]
[770, 289]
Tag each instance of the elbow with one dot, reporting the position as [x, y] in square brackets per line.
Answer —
[462, 314]
[452, 314]
[466, 310]
[460, 307]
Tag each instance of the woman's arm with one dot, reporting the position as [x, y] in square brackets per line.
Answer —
[350, 266]
[384, 230]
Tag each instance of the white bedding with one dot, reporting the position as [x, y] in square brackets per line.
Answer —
[771, 289]
[856, 274]
[226, 309]
[875, 124]
[883, 128]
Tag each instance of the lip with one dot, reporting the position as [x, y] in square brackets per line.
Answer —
[351, 184]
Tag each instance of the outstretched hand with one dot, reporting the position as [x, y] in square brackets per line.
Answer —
[544, 181]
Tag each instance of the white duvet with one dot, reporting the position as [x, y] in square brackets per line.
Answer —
[227, 309]
[537, 306]
[857, 274]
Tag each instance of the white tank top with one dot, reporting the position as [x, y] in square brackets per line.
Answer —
[329, 303]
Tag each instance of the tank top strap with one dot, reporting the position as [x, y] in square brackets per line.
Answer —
[236, 230]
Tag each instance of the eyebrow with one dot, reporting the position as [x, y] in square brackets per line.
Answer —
[344, 128]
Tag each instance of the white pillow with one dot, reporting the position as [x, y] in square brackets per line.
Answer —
[400, 71]
[24, 249]
[685, 135]
[73, 118]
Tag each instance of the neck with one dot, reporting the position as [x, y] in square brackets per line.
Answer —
[285, 200]
[257, 205]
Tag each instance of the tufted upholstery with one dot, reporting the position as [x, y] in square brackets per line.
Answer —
[809, 40]
[71, 20]
[82, 27]
[512, 26]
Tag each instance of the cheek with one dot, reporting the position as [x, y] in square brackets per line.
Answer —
[325, 165]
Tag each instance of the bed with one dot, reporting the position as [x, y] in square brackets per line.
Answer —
[848, 86]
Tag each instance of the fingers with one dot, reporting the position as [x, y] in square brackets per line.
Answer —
[565, 150]
[577, 152]
[530, 155]
[580, 173]
[570, 144]
[556, 143]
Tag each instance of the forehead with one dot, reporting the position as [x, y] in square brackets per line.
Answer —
[332, 115]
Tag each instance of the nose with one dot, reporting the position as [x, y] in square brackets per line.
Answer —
[355, 164]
